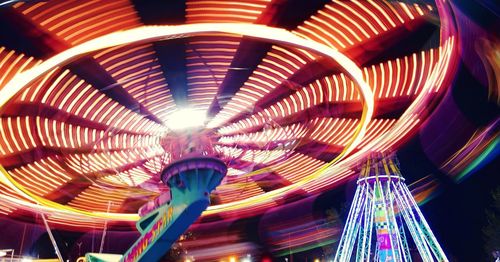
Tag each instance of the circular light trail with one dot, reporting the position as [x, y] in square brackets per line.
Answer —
[152, 33]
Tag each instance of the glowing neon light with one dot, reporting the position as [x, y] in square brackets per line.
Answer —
[151, 33]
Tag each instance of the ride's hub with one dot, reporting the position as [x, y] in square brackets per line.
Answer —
[200, 173]
[191, 176]
[190, 181]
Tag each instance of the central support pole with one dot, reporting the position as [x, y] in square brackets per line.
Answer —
[191, 181]
[382, 224]
[166, 218]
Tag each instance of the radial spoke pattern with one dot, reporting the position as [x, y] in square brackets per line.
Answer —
[91, 134]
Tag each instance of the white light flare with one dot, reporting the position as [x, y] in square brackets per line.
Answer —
[186, 118]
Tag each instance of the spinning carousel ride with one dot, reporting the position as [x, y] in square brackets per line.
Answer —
[102, 100]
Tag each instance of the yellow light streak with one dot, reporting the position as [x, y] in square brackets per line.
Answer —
[152, 33]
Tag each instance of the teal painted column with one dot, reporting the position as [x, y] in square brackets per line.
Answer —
[191, 181]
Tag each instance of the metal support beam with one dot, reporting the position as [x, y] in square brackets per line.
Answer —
[381, 199]
[52, 239]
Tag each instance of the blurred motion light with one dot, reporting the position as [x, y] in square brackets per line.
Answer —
[186, 118]
[246, 259]
[3, 252]
[152, 33]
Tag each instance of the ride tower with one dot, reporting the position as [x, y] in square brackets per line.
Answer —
[383, 202]
[194, 170]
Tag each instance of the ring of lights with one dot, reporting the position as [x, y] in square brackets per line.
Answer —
[152, 33]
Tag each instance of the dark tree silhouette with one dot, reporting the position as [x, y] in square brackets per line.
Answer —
[491, 231]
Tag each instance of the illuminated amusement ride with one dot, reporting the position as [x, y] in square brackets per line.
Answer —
[384, 203]
[119, 117]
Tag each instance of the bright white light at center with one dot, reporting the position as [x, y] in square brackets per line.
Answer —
[186, 118]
